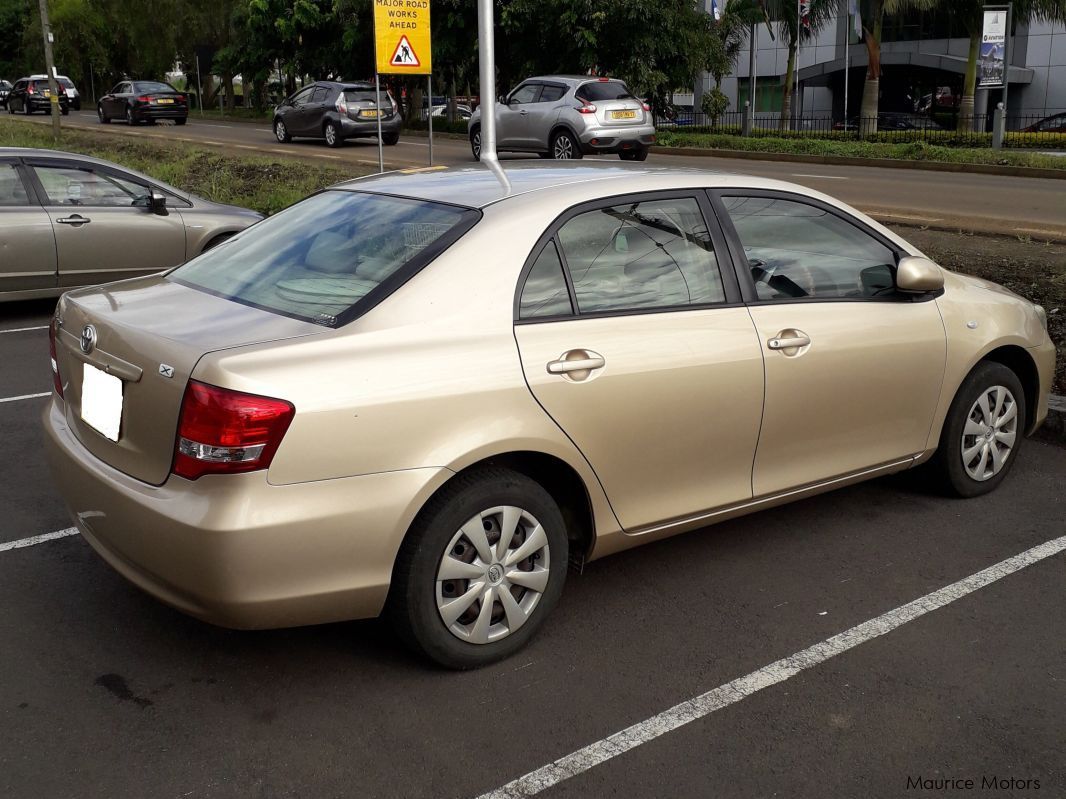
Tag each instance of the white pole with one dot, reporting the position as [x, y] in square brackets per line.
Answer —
[847, 56]
[487, 58]
[796, 70]
[377, 103]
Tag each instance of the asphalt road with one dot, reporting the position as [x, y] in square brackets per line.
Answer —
[104, 692]
[1031, 207]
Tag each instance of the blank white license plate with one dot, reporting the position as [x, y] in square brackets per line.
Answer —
[101, 401]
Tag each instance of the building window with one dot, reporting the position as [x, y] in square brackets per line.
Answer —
[769, 93]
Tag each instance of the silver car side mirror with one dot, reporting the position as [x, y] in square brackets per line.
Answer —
[918, 275]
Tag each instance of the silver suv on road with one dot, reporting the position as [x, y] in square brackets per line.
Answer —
[568, 116]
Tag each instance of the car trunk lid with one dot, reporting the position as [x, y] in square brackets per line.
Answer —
[361, 104]
[149, 333]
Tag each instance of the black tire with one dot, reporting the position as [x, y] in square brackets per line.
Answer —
[332, 134]
[27, 109]
[65, 111]
[947, 467]
[281, 132]
[129, 117]
[565, 147]
[475, 142]
[640, 154]
[390, 139]
[221, 237]
[412, 605]
[181, 120]
[544, 155]
[104, 118]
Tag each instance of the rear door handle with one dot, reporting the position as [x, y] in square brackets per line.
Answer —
[75, 220]
[576, 361]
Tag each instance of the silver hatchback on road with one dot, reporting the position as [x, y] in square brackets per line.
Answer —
[568, 116]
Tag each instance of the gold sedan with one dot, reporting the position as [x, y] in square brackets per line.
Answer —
[426, 394]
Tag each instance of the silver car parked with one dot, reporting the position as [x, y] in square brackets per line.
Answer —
[568, 116]
[69, 220]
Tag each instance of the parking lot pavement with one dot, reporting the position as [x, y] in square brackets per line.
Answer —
[105, 692]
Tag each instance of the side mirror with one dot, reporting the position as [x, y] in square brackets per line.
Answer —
[502, 100]
[157, 203]
[918, 275]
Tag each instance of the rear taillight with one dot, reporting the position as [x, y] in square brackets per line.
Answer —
[587, 108]
[30, 89]
[144, 98]
[222, 431]
[57, 382]
[645, 106]
[340, 105]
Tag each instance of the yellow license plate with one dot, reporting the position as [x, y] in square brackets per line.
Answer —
[623, 115]
[46, 93]
[369, 114]
[165, 101]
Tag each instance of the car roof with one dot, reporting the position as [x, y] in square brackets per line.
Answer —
[476, 186]
[575, 80]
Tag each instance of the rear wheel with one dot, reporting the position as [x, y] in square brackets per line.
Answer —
[481, 568]
[475, 143]
[640, 154]
[129, 117]
[390, 139]
[281, 133]
[64, 111]
[565, 147]
[982, 432]
[27, 109]
[104, 118]
[332, 134]
[181, 120]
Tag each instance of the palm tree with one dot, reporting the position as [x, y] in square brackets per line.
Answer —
[873, 15]
[785, 13]
[969, 12]
[730, 32]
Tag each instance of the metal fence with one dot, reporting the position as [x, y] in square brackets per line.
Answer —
[1034, 131]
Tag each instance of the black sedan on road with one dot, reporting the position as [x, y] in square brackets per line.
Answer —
[5, 89]
[139, 101]
[337, 111]
[33, 94]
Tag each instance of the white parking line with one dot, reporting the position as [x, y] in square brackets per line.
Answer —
[37, 539]
[211, 125]
[24, 329]
[725, 695]
[824, 177]
[24, 397]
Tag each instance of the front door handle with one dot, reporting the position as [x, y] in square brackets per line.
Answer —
[577, 364]
[789, 340]
[76, 220]
[523, 112]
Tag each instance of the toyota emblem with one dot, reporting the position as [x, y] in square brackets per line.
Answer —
[88, 339]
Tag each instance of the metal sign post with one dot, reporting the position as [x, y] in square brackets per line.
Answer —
[994, 61]
[402, 46]
[377, 104]
[429, 88]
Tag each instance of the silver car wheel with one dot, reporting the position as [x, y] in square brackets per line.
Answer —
[279, 131]
[563, 150]
[331, 135]
[493, 574]
[989, 434]
[475, 144]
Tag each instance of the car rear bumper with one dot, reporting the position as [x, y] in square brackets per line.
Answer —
[45, 104]
[161, 112]
[235, 550]
[351, 128]
[615, 140]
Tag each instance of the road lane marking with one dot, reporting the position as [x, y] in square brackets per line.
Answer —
[725, 695]
[23, 329]
[211, 125]
[33, 540]
[24, 397]
[823, 177]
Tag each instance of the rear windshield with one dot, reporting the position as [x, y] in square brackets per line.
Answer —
[153, 86]
[364, 96]
[329, 258]
[603, 90]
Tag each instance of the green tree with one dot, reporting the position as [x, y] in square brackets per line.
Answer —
[784, 12]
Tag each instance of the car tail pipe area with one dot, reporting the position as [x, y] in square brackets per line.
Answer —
[487, 63]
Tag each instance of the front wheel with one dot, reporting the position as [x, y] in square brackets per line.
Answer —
[475, 143]
[565, 147]
[332, 134]
[281, 133]
[982, 432]
[104, 118]
[480, 569]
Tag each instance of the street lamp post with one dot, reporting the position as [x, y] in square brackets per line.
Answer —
[53, 84]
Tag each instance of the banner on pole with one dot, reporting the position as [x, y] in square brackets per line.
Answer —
[991, 64]
[402, 39]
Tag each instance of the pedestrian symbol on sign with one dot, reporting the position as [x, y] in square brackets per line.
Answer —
[404, 55]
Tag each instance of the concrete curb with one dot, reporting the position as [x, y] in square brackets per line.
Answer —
[890, 163]
[1054, 429]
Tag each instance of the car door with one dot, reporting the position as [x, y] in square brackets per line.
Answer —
[633, 339]
[512, 130]
[103, 229]
[115, 103]
[27, 244]
[853, 367]
[542, 116]
[297, 118]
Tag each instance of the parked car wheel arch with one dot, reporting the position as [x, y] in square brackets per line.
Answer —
[1021, 363]
[556, 130]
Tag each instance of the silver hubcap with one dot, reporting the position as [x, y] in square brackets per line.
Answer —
[990, 432]
[492, 575]
[564, 148]
[279, 131]
[331, 134]
[476, 142]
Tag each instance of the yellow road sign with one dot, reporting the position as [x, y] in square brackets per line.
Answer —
[402, 38]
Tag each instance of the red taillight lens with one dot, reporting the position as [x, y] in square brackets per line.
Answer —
[223, 431]
[57, 382]
[587, 108]
[30, 89]
[645, 106]
[144, 99]
[340, 105]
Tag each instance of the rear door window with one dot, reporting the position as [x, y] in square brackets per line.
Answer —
[330, 257]
[551, 93]
[321, 92]
[545, 292]
[12, 190]
[604, 90]
[76, 186]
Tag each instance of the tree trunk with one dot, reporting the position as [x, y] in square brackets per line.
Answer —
[871, 90]
[784, 123]
[227, 87]
[966, 121]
